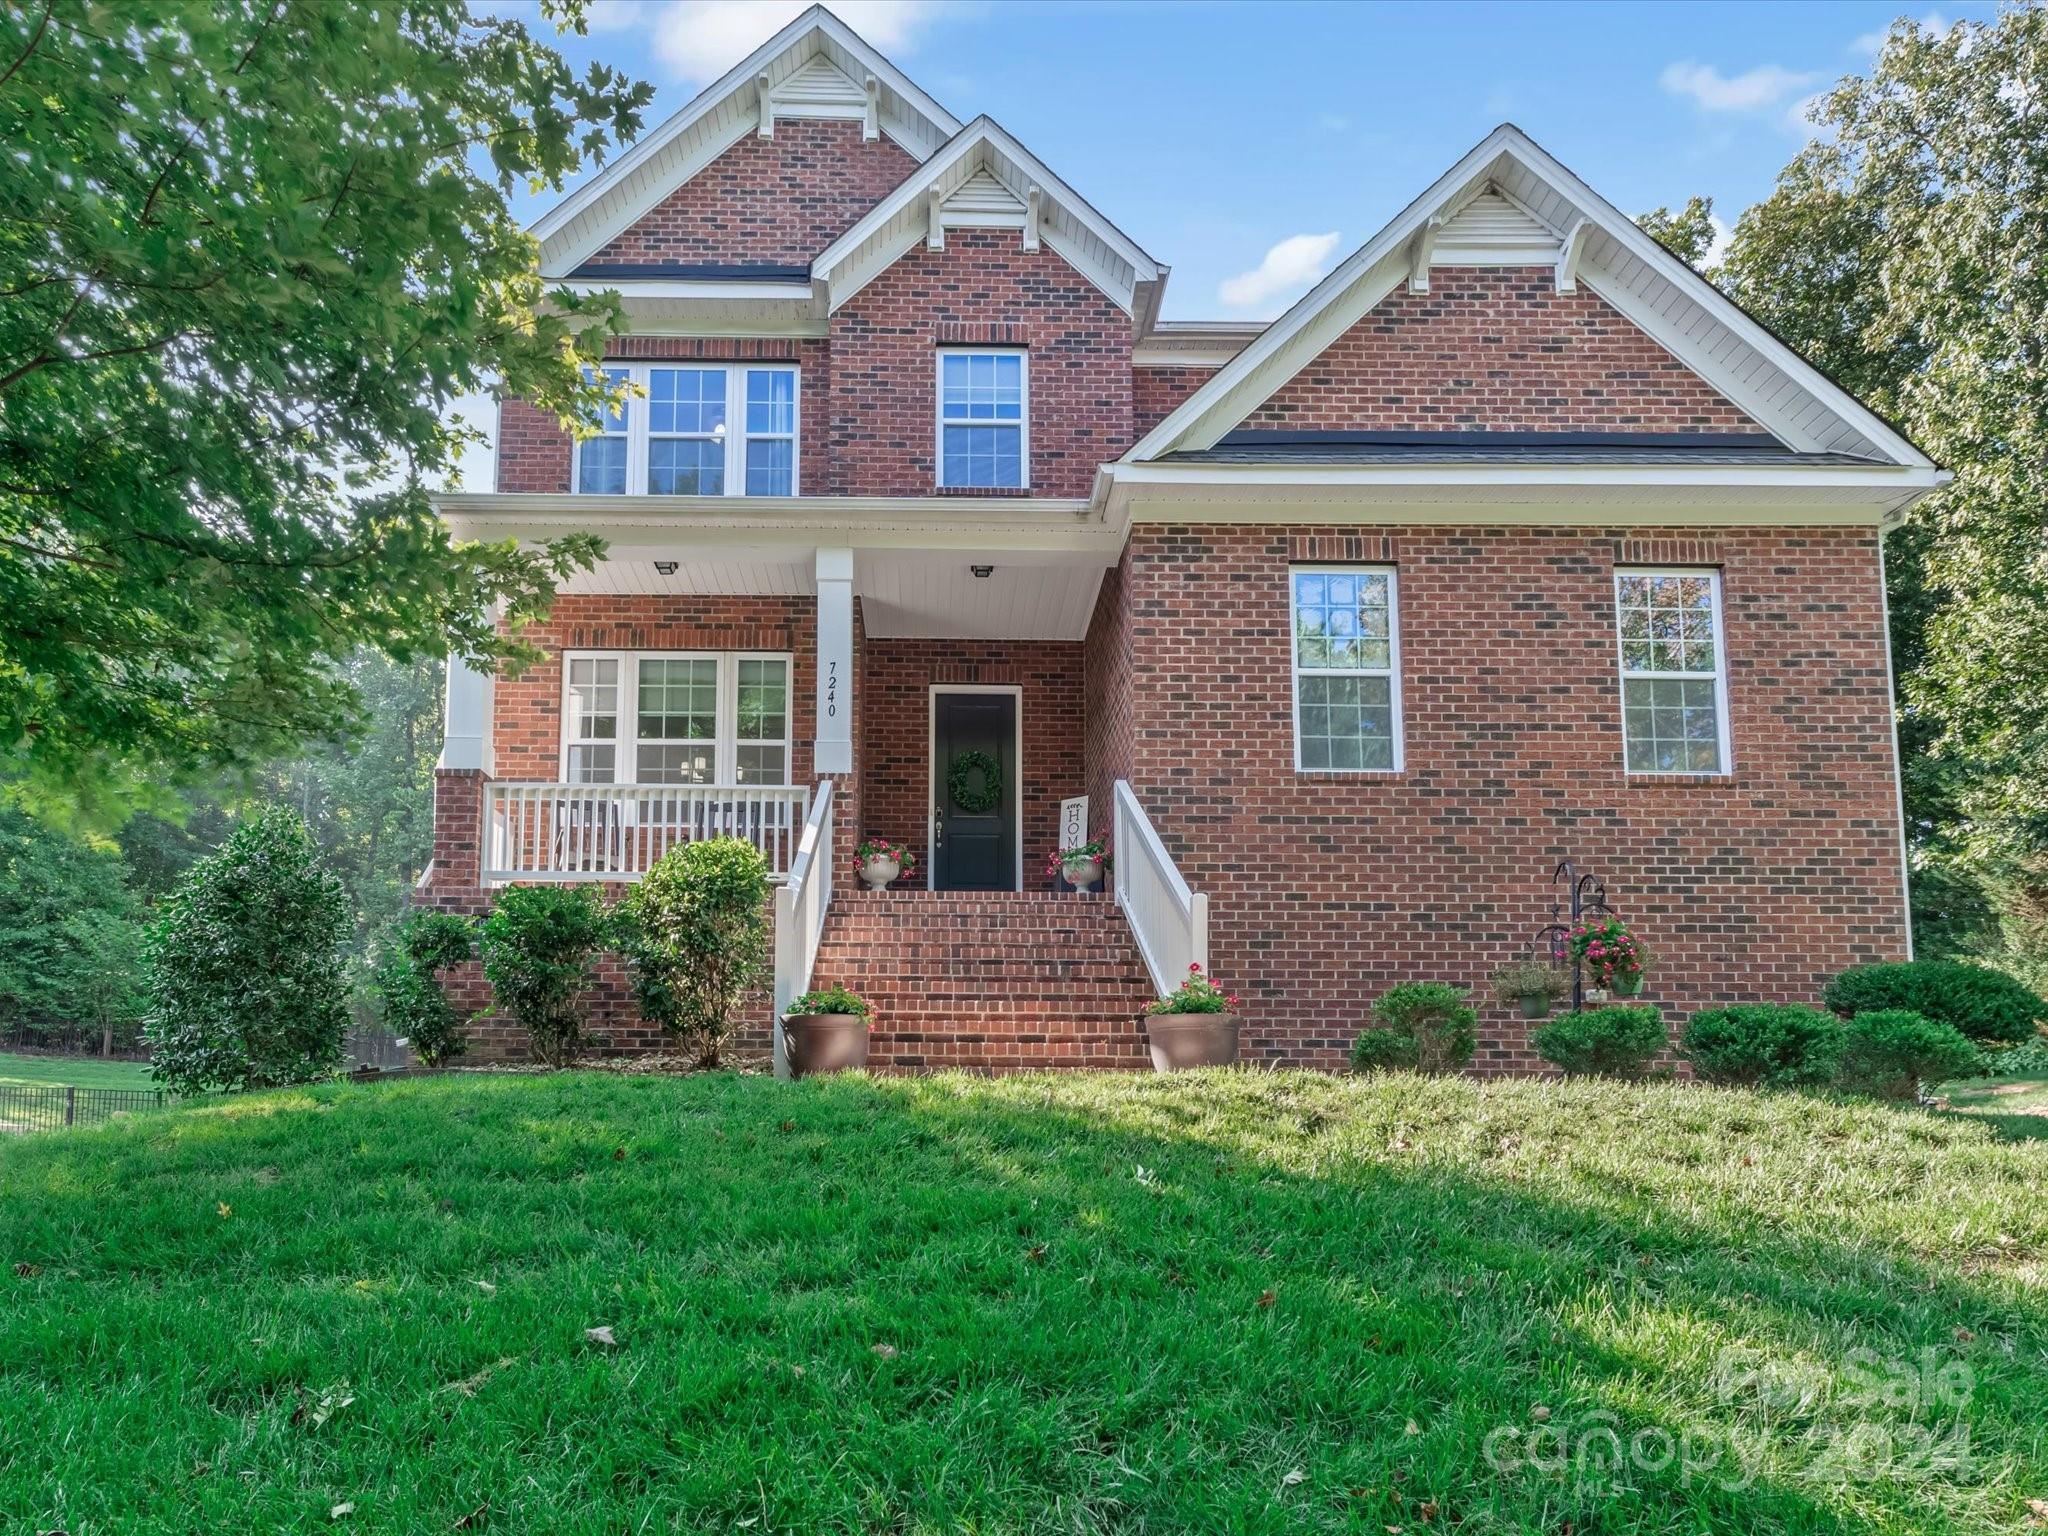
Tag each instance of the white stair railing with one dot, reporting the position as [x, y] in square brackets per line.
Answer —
[800, 906]
[1169, 921]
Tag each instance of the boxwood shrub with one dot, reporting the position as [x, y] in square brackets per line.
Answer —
[1891, 1052]
[1988, 1006]
[1617, 1041]
[1764, 1045]
[1384, 1050]
[1437, 1018]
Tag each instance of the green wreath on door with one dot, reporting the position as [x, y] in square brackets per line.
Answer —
[960, 783]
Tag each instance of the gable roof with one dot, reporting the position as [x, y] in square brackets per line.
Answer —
[980, 162]
[817, 66]
[1507, 201]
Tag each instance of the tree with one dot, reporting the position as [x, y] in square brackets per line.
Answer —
[1900, 252]
[70, 936]
[1687, 234]
[247, 965]
[249, 252]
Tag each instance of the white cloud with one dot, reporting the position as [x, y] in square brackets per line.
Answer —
[1288, 268]
[699, 40]
[1718, 246]
[1751, 91]
[1799, 116]
[1871, 44]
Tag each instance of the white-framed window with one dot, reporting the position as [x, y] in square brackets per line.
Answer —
[675, 717]
[601, 461]
[1674, 671]
[984, 418]
[1347, 667]
[697, 429]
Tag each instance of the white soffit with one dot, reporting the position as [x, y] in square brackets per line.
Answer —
[1671, 302]
[916, 594]
[799, 62]
[980, 154]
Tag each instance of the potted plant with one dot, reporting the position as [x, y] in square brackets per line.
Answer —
[1192, 1028]
[826, 1030]
[879, 862]
[1532, 985]
[1082, 865]
[1613, 957]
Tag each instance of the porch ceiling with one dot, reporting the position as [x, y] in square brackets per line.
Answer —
[904, 594]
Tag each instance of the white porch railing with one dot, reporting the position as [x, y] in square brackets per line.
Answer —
[1169, 921]
[800, 907]
[617, 831]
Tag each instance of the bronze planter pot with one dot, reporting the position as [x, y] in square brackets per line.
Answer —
[1181, 1040]
[825, 1042]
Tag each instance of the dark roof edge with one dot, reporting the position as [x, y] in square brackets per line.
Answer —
[1289, 437]
[708, 271]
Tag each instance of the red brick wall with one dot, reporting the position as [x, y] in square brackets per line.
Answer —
[529, 707]
[1158, 392]
[1497, 349]
[983, 288]
[779, 200]
[1326, 888]
[534, 451]
[895, 731]
[1106, 693]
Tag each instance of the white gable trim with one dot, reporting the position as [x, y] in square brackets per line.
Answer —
[983, 152]
[1626, 267]
[719, 116]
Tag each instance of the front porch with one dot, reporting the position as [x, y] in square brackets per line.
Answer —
[670, 709]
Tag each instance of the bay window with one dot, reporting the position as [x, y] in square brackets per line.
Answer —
[710, 429]
[1347, 668]
[1674, 677]
[647, 717]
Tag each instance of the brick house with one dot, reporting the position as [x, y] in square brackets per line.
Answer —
[1513, 541]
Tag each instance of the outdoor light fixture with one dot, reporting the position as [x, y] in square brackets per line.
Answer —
[667, 567]
[983, 571]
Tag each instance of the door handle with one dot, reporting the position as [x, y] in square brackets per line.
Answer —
[938, 827]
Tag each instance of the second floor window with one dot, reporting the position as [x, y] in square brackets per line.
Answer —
[984, 432]
[726, 430]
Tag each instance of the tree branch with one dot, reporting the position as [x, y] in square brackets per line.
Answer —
[33, 43]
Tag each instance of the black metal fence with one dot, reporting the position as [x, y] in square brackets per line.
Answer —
[24, 1108]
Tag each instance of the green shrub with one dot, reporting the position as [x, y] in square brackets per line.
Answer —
[1384, 1050]
[1764, 1045]
[1891, 1052]
[246, 965]
[2029, 1060]
[538, 944]
[408, 980]
[696, 933]
[1989, 1007]
[1437, 1016]
[829, 1000]
[1618, 1041]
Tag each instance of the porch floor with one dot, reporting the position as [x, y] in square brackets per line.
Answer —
[995, 982]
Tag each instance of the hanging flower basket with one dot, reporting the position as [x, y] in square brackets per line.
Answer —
[1613, 958]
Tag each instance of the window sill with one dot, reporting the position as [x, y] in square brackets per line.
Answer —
[982, 490]
[1345, 775]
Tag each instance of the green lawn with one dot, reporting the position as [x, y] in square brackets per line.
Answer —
[77, 1071]
[1234, 1303]
[2018, 1104]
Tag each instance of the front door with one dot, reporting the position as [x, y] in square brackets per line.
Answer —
[974, 791]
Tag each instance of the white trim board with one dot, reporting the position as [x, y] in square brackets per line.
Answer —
[1704, 330]
[931, 752]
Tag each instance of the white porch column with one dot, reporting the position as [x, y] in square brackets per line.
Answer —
[466, 720]
[833, 751]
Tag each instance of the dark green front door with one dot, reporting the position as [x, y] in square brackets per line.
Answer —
[974, 832]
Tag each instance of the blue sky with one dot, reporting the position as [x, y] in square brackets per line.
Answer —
[1214, 133]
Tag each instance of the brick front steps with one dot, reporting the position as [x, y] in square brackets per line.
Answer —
[990, 983]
